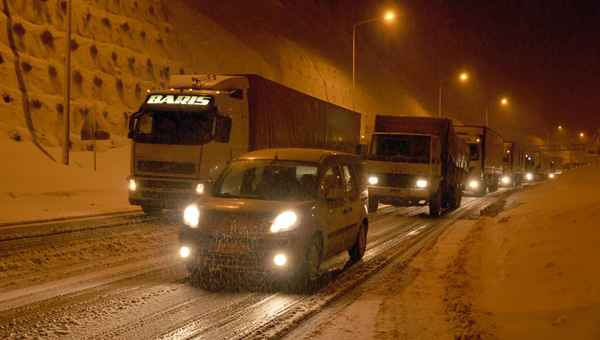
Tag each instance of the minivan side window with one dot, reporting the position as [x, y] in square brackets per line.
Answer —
[332, 179]
[350, 181]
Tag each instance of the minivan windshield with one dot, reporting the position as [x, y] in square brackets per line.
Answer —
[399, 148]
[268, 180]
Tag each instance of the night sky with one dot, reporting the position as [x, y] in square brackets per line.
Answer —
[543, 55]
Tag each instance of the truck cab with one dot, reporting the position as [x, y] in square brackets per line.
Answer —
[175, 131]
[404, 169]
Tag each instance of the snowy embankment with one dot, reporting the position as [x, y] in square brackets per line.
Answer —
[33, 187]
[526, 269]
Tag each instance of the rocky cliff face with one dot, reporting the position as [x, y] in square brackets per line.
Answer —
[121, 48]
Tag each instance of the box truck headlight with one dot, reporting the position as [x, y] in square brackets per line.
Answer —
[373, 180]
[132, 185]
[421, 183]
[280, 259]
[285, 221]
[473, 184]
[551, 175]
[191, 216]
[200, 188]
[184, 252]
[505, 179]
[529, 176]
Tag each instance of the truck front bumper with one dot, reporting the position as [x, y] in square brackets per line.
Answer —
[399, 196]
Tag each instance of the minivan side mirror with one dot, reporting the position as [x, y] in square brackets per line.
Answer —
[334, 194]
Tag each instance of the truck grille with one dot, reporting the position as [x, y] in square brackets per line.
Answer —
[393, 180]
[165, 195]
[166, 167]
[147, 183]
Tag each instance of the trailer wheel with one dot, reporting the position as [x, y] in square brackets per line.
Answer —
[435, 204]
[373, 204]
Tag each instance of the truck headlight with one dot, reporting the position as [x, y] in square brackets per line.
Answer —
[421, 183]
[184, 252]
[132, 185]
[473, 184]
[200, 188]
[285, 221]
[191, 216]
[373, 180]
[529, 176]
[505, 180]
[551, 175]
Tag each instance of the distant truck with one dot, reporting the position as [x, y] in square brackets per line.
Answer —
[184, 136]
[513, 164]
[415, 161]
[538, 166]
[486, 149]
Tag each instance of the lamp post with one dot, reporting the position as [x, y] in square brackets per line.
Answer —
[502, 101]
[388, 16]
[462, 77]
[67, 99]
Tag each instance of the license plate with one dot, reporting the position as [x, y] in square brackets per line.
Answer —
[228, 248]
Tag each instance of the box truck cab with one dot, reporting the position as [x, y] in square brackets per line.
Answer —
[415, 161]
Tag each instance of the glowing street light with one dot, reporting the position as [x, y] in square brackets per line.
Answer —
[389, 16]
[502, 101]
[463, 77]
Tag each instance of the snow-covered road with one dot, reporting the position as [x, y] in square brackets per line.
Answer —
[125, 281]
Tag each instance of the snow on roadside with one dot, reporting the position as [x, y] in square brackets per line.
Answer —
[526, 269]
[32, 186]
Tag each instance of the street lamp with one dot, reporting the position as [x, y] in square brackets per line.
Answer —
[388, 16]
[502, 101]
[462, 77]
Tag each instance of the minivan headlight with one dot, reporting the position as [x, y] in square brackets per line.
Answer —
[373, 180]
[285, 221]
[191, 216]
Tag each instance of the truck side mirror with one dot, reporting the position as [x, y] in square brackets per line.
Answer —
[131, 126]
[222, 129]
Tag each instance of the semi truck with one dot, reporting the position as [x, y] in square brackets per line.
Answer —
[415, 161]
[513, 164]
[485, 167]
[538, 166]
[183, 137]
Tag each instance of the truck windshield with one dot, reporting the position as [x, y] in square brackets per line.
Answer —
[268, 180]
[184, 128]
[399, 148]
[474, 152]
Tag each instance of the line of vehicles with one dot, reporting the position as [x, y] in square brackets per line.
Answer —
[271, 181]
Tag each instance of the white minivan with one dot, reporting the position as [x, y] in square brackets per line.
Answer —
[280, 212]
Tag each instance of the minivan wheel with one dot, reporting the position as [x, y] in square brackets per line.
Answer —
[360, 245]
[308, 274]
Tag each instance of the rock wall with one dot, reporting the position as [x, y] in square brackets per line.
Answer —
[121, 48]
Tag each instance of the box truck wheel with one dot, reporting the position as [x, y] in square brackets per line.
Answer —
[435, 203]
[373, 204]
[455, 197]
[494, 185]
[151, 209]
